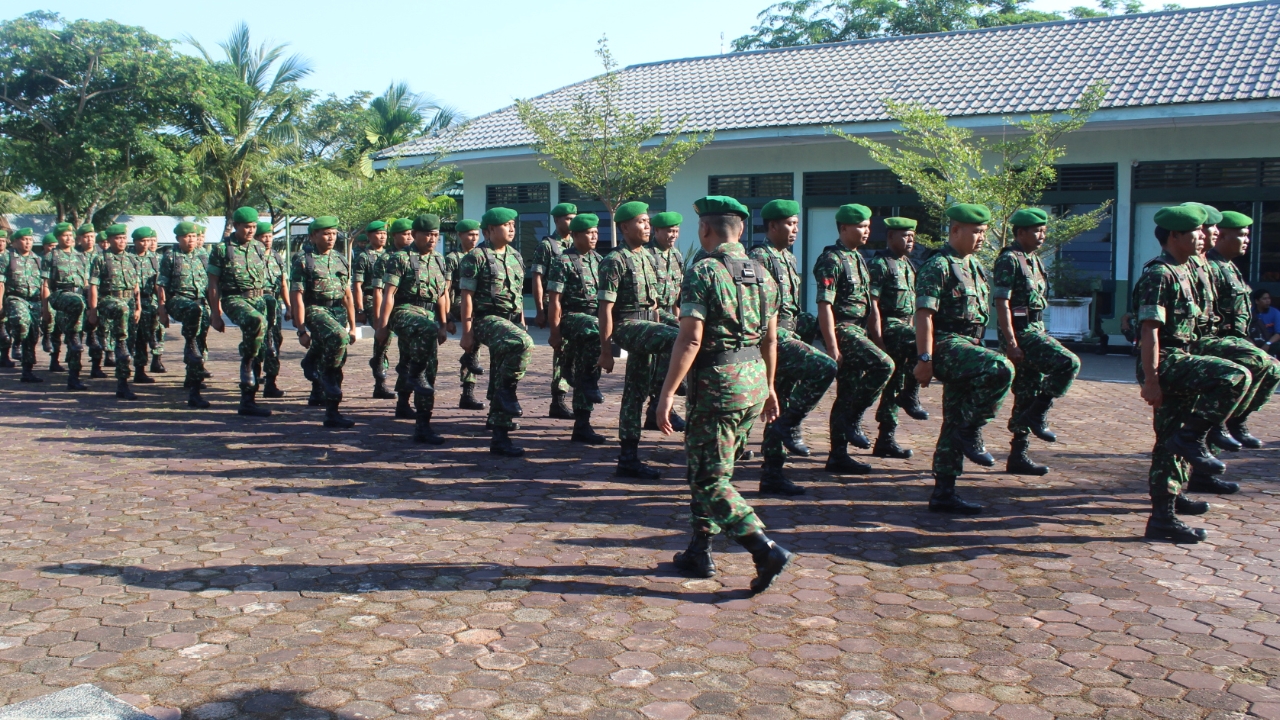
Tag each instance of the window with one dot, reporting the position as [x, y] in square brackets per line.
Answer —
[519, 194]
[744, 187]
[856, 182]
[1083, 178]
[1207, 174]
[571, 194]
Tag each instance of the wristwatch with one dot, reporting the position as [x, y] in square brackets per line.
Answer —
[926, 357]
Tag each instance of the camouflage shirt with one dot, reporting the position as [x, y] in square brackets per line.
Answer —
[238, 266]
[1206, 293]
[784, 269]
[452, 264]
[1019, 277]
[495, 280]
[65, 270]
[321, 278]
[417, 277]
[576, 276]
[114, 272]
[275, 271]
[893, 284]
[549, 248]
[843, 282]
[21, 275]
[364, 267]
[1166, 294]
[182, 273]
[148, 269]
[1234, 307]
[629, 279]
[670, 265]
[956, 289]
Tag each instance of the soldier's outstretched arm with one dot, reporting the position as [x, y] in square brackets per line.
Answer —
[683, 353]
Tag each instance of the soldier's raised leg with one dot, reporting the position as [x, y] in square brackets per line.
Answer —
[510, 348]
[1045, 374]
[805, 373]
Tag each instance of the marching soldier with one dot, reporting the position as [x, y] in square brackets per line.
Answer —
[670, 267]
[114, 303]
[850, 326]
[157, 339]
[366, 307]
[5, 343]
[66, 279]
[415, 302]
[237, 270]
[275, 298]
[803, 373]
[325, 313]
[183, 285]
[401, 238]
[549, 249]
[48, 342]
[628, 299]
[21, 295]
[492, 297]
[893, 289]
[468, 235]
[728, 340]
[1043, 369]
[86, 237]
[952, 310]
[572, 305]
[142, 333]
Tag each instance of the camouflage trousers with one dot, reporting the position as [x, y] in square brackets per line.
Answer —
[802, 377]
[975, 380]
[193, 313]
[806, 327]
[1264, 369]
[48, 330]
[900, 343]
[644, 342]
[329, 337]
[68, 322]
[418, 335]
[581, 351]
[142, 334]
[1208, 387]
[274, 336]
[864, 371]
[1047, 368]
[465, 376]
[22, 320]
[663, 361]
[115, 318]
[713, 439]
[250, 315]
[510, 348]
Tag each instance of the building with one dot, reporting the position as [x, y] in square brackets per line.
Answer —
[1193, 113]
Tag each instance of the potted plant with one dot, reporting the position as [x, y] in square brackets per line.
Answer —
[1070, 295]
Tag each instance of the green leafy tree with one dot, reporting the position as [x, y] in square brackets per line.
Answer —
[398, 116]
[357, 200]
[946, 164]
[332, 130]
[601, 150]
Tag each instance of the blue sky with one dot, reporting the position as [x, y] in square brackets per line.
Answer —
[477, 55]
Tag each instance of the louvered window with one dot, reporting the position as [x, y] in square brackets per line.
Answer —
[856, 182]
[569, 193]
[1078, 178]
[1208, 174]
[518, 194]
[774, 185]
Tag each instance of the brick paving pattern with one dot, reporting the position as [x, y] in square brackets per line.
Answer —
[208, 566]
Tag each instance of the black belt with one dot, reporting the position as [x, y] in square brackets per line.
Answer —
[71, 289]
[729, 357]
[788, 323]
[1024, 318]
[973, 331]
[416, 302]
[121, 293]
[515, 316]
[189, 296]
[583, 311]
[251, 294]
[340, 302]
[649, 314]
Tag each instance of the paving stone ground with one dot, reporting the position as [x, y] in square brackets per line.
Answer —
[208, 566]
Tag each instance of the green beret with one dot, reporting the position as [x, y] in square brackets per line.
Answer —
[1182, 218]
[970, 213]
[583, 222]
[721, 205]
[399, 225]
[264, 227]
[362, 237]
[85, 229]
[426, 223]
[117, 229]
[324, 222]
[1029, 217]
[375, 226]
[245, 215]
[183, 228]
[1232, 220]
[1213, 215]
[852, 214]
[62, 227]
[630, 211]
[666, 219]
[101, 237]
[498, 216]
[3, 233]
[467, 226]
[564, 209]
[48, 239]
[779, 210]
[23, 232]
[900, 223]
[143, 233]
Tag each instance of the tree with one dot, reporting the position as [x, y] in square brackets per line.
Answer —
[946, 164]
[603, 151]
[332, 130]
[357, 200]
[398, 116]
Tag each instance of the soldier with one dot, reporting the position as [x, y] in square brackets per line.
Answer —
[492, 296]
[48, 342]
[850, 325]
[1190, 392]
[366, 308]
[275, 298]
[572, 287]
[728, 339]
[544, 257]
[1044, 369]
[669, 264]
[21, 295]
[237, 270]
[468, 235]
[628, 311]
[183, 285]
[66, 280]
[893, 289]
[952, 310]
[86, 237]
[803, 373]
[114, 303]
[142, 333]
[401, 238]
[5, 342]
[414, 306]
[325, 313]
[157, 340]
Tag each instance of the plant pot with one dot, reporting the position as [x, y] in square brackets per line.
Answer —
[1068, 318]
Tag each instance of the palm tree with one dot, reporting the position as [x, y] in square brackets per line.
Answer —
[397, 116]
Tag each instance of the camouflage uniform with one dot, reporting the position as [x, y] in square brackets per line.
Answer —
[271, 299]
[97, 340]
[417, 281]
[323, 280]
[142, 335]
[496, 283]
[893, 284]
[369, 269]
[452, 264]
[576, 277]
[670, 269]
[183, 278]
[6, 343]
[1219, 280]
[728, 385]
[975, 378]
[22, 282]
[67, 274]
[544, 258]
[240, 269]
[116, 275]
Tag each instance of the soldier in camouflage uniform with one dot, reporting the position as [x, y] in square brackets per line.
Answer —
[572, 306]
[66, 278]
[5, 342]
[48, 341]
[952, 309]
[728, 340]
[325, 312]
[1191, 392]
[550, 248]
[238, 271]
[804, 373]
[21, 294]
[850, 326]
[669, 264]
[1044, 369]
[415, 302]
[401, 230]
[113, 302]
[491, 281]
[157, 340]
[468, 235]
[142, 333]
[628, 298]
[367, 309]
[276, 299]
[893, 287]
[183, 285]
[86, 237]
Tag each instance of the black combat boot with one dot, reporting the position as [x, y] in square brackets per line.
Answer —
[696, 560]
[468, 400]
[257, 373]
[157, 365]
[945, 500]
[249, 404]
[29, 375]
[316, 399]
[123, 392]
[970, 440]
[501, 444]
[840, 462]
[1240, 431]
[7, 362]
[651, 417]
[75, 344]
[123, 358]
[404, 410]
[333, 418]
[140, 376]
[909, 399]
[1019, 463]
[246, 374]
[310, 366]
[504, 396]
[630, 465]
[1189, 444]
[853, 432]
[786, 430]
[46, 343]
[195, 400]
[1221, 439]
[887, 445]
[470, 363]
[331, 383]
[559, 409]
[74, 383]
[1202, 483]
[271, 389]
[1036, 418]
[107, 361]
[54, 365]
[191, 353]
[1165, 525]
[380, 391]
[582, 430]
[677, 423]
[1183, 505]
[770, 558]
[589, 384]
[422, 432]
[773, 481]
[95, 368]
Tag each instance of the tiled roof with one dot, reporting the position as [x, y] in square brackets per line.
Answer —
[1165, 58]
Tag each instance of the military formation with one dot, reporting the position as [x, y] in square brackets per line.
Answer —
[725, 329]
